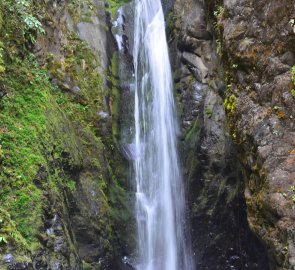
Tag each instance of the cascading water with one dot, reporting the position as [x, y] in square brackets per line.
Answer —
[159, 195]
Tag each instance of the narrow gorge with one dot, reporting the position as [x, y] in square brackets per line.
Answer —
[147, 134]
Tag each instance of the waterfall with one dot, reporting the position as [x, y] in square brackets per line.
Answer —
[159, 189]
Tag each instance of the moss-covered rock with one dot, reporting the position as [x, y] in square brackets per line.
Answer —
[62, 178]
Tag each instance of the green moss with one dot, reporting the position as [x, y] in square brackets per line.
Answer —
[23, 123]
[293, 74]
[36, 128]
[9, 232]
[209, 112]
[293, 81]
[27, 22]
[116, 4]
[230, 104]
[82, 10]
[50, 136]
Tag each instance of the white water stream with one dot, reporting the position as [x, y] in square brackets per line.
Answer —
[159, 189]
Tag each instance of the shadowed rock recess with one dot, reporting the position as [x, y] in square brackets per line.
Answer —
[66, 106]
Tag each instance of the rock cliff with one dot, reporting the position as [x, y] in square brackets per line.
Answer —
[65, 97]
[237, 58]
[258, 43]
[63, 194]
[220, 233]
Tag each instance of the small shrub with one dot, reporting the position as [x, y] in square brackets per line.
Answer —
[3, 240]
[32, 25]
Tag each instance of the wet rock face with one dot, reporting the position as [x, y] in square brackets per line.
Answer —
[219, 229]
[259, 41]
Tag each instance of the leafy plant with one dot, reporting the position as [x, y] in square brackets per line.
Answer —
[3, 240]
[23, 3]
[31, 24]
[71, 185]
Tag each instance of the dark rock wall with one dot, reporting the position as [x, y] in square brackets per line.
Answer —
[254, 85]
[215, 185]
[258, 45]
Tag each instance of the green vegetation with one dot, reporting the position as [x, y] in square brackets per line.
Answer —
[293, 81]
[32, 26]
[23, 123]
[230, 104]
[209, 112]
[293, 74]
[2, 68]
[172, 19]
[115, 4]
[22, 119]
[218, 16]
[292, 192]
[82, 10]
[49, 134]
[219, 12]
